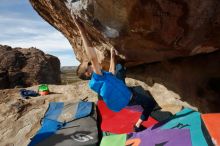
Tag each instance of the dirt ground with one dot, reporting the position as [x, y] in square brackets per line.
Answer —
[20, 118]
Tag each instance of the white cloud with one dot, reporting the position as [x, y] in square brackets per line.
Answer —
[27, 33]
[67, 60]
[21, 30]
[44, 41]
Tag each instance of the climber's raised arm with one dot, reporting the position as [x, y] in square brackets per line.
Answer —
[90, 50]
[112, 61]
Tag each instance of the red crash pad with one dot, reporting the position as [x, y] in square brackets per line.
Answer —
[120, 122]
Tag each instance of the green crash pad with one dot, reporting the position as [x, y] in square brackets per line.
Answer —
[114, 140]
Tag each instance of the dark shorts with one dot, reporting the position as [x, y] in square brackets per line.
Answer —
[147, 103]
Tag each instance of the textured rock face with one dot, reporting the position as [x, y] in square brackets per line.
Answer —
[26, 67]
[20, 119]
[146, 34]
[196, 79]
[142, 31]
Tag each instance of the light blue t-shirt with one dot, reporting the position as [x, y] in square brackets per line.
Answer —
[113, 91]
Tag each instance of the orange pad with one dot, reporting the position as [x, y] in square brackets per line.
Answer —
[212, 123]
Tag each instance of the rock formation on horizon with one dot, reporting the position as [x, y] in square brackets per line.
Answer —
[159, 40]
[26, 67]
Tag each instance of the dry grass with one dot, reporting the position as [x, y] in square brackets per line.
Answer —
[69, 77]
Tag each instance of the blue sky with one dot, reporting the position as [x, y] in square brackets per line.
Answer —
[21, 26]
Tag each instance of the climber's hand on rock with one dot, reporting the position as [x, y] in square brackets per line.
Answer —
[114, 52]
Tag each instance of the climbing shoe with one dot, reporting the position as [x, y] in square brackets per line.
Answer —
[138, 129]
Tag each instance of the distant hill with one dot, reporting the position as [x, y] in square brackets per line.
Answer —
[68, 68]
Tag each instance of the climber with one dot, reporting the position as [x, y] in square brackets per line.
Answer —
[114, 91]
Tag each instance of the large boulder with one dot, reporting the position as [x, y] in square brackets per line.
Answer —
[4, 80]
[143, 31]
[171, 42]
[27, 67]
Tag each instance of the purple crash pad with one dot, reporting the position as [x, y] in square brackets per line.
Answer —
[137, 108]
[166, 137]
